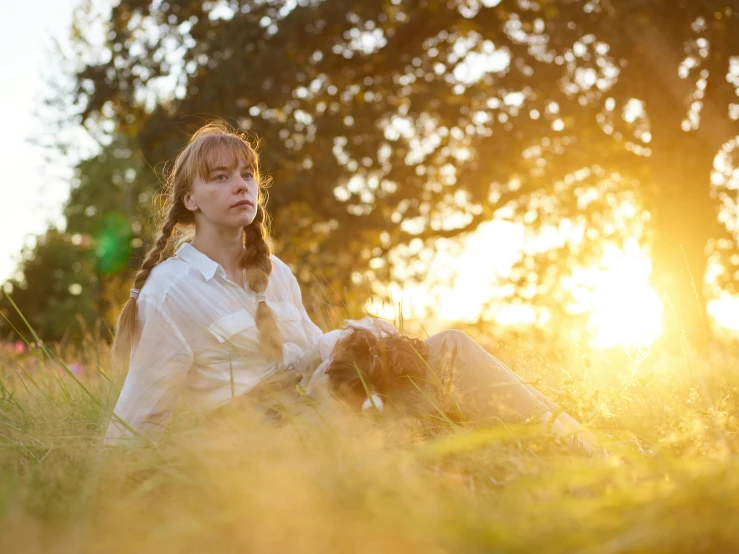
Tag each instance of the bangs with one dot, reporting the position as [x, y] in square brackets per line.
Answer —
[220, 150]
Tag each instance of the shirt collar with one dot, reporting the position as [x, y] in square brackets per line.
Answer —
[194, 257]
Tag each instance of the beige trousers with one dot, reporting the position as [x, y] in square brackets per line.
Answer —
[476, 382]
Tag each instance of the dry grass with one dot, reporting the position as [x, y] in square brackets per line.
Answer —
[351, 485]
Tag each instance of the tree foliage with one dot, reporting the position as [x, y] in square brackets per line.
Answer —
[392, 122]
[58, 292]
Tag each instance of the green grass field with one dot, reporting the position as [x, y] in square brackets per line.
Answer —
[232, 484]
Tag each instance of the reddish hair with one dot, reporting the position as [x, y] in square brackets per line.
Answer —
[389, 366]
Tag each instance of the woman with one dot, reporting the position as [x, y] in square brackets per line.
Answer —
[223, 318]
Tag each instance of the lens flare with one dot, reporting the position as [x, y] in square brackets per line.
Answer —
[113, 243]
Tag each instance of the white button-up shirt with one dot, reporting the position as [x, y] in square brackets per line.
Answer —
[197, 337]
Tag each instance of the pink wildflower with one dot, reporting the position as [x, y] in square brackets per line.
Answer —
[77, 368]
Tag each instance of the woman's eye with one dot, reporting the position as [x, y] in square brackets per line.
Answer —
[218, 177]
[248, 175]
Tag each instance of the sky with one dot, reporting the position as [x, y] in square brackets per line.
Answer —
[32, 191]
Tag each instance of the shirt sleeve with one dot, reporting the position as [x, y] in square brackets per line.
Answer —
[159, 364]
[312, 331]
[377, 326]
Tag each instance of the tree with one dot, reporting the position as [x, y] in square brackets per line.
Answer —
[389, 122]
[71, 278]
[58, 292]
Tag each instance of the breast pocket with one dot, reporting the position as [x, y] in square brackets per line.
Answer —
[289, 321]
[238, 326]
[285, 311]
[238, 336]
[291, 328]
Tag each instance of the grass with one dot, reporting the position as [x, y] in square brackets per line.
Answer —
[233, 484]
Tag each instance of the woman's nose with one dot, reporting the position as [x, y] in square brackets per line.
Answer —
[241, 184]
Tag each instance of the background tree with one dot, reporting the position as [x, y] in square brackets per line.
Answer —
[58, 291]
[69, 279]
[392, 122]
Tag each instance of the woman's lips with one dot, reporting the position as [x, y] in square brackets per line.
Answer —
[242, 204]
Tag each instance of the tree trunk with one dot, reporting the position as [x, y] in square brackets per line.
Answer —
[682, 218]
[678, 198]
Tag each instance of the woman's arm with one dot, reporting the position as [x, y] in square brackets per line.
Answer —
[318, 383]
[374, 324]
[158, 368]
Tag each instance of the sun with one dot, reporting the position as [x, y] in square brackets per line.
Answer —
[624, 309]
[725, 310]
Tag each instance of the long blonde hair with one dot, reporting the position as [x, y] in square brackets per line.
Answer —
[194, 159]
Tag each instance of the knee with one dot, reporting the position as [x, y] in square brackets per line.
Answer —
[447, 336]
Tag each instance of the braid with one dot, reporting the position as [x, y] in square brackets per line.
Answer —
[125, 328]
[155, 254]
[258, 266]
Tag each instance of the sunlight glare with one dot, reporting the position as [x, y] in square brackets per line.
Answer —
[626, 311]
[725, 310]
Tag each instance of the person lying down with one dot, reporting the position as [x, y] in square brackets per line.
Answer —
[447, 372]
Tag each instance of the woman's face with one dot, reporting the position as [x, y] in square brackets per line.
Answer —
[226, 197]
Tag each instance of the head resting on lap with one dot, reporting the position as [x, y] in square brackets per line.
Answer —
[389, 365]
